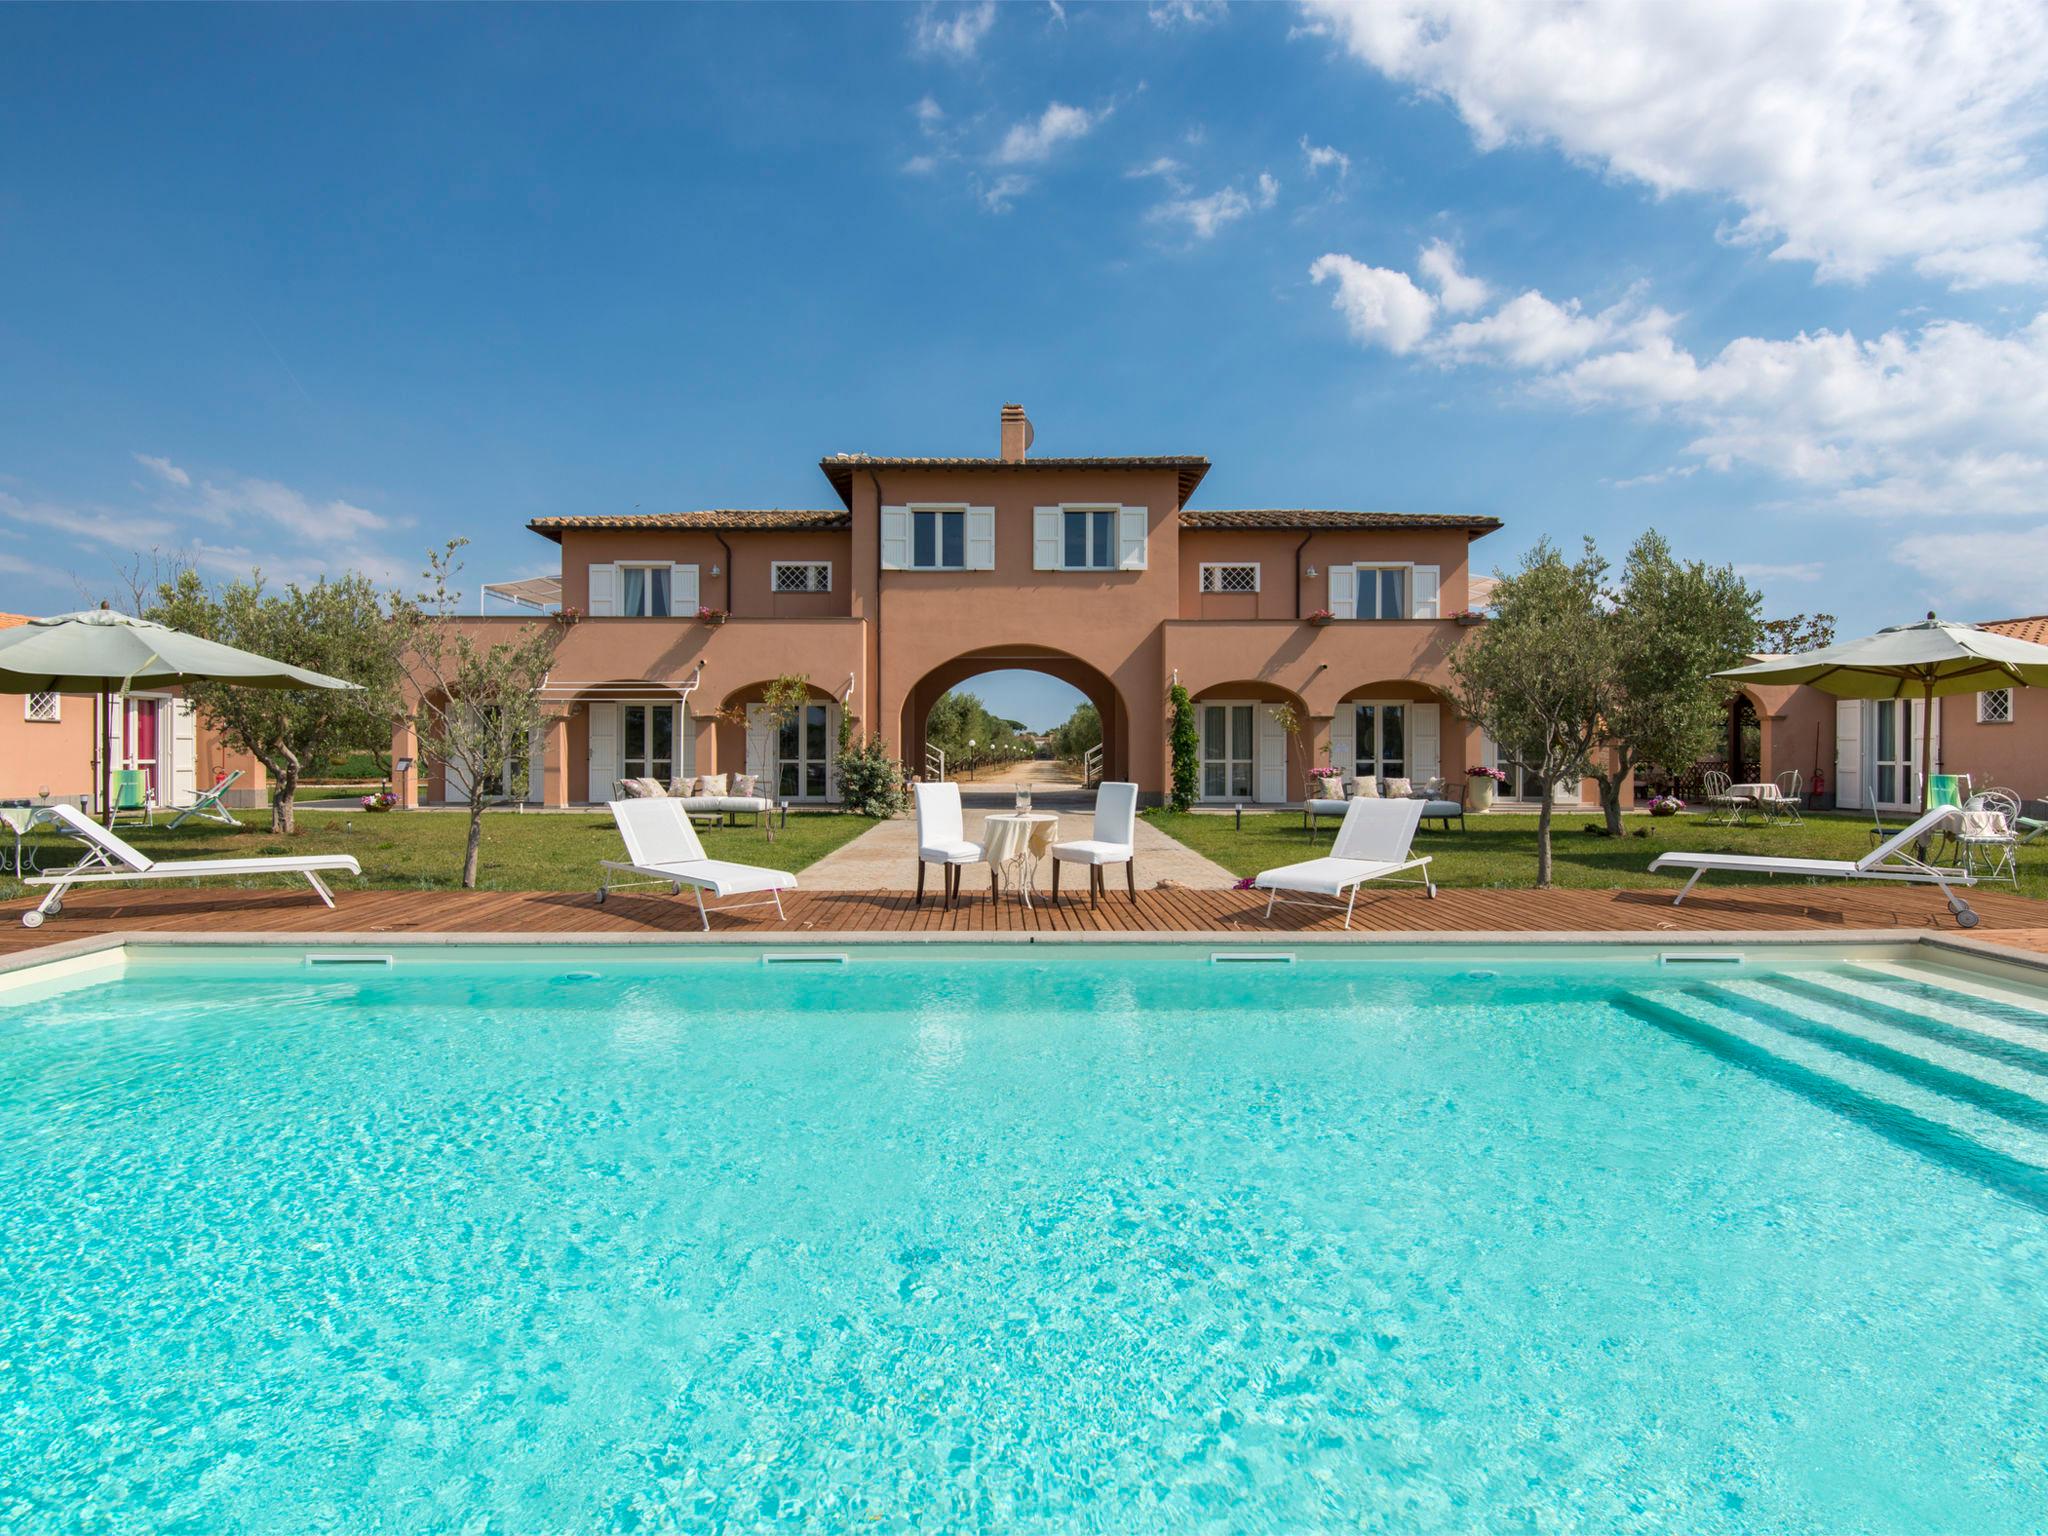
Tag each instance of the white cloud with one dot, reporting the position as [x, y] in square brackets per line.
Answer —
[163, 469]
[1852, 134]
[1942, 421]
[322, 522]
[929, 113]
[1000, 195]
[1807, 570]
[1321, 157]
[1458, 293]
[1530, 331]
[1165, 167]
[920, 165]
[14, 565]
[1187, 13]
[952, 31]
[1030, 142]
[1203, 217]
[94, 524]
[1658, 476]
[1380, 307]
[2005, 571]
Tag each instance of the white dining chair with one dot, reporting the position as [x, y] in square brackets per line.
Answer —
[1114, 842]
[942, 838]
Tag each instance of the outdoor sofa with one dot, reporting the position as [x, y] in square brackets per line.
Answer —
[1442, 800]
[726, 796]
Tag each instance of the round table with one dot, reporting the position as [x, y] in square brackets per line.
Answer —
[1015, 843]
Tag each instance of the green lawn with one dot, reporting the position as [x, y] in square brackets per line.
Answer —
[1500, 850]
[423, 850]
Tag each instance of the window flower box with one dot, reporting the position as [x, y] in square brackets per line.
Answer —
[711, 616]
[1467, 618]
[1319, 618]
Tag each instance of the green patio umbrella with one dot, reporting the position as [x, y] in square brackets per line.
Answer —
[1924, 661]
[105, 653]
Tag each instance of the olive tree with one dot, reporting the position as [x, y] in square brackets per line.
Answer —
[336, 626]
[476, 701]
[1675, 626]
[1538, 677]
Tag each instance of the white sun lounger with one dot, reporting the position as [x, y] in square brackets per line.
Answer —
[1372, 843]
[110, 860]
[1889, 860]
[663, 846]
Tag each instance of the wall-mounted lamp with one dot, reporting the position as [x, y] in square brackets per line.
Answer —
[1311, 573]
[714, 570]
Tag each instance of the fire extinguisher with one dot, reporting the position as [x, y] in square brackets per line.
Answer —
[1820, 782]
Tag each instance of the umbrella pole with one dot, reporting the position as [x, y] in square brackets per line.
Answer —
[1927, 749]
[105, 787]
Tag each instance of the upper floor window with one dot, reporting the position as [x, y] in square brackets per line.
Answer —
[801, 575]
[1088, 538]
[1365, 591]
[42, 708]
[938, 538]
[644, 591]
[1230, 578]
[1994, 707]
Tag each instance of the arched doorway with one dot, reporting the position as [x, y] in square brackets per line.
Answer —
[1087, 681]
[1253, 744]
[792, 749]
[1745, 746]
[1398, 729]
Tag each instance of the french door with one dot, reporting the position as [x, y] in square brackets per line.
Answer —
[648, 734]
[1229, 751]
[1897, 752]
[1379, 741]
[803, 754]
[144, 740]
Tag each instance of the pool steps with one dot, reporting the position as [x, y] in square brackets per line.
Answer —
[1956, 1075]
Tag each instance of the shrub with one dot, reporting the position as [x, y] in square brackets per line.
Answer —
[870, 780]
[1187, 775]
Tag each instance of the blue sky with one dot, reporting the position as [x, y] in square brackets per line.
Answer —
[315, 288]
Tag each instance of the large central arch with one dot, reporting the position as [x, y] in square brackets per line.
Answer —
[1069, 669]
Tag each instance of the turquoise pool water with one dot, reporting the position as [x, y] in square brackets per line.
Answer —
[1069, 1242]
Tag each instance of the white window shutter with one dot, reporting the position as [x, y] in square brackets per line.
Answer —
[981, 539]
[1045, 538]
[1425, 743]
[1269, 758]
[895, 538]
[1849, 754]
[1131, 526]
[536, 764]
[761, 746]
[1344, 738]
[604, 590]
[184, 778]
[1423, 584]
[604, 750]
[1344, 591]
[683, 601]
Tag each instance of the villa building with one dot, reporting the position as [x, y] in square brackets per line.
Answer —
[922, 572]
[46, 746]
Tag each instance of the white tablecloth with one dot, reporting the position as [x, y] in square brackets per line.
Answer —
[1012, 836]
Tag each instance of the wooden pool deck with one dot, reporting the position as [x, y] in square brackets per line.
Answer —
[1820, 911]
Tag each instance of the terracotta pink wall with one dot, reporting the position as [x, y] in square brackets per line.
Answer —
[1281, 554]
[1110, 619]
[749, 567]
[2012, 756]
[35, 756]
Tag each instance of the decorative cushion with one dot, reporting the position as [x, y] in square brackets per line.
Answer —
[1366, 789]
[711, 784]
[642, 789]
[1327, 786]
[745, 785]
[1399, 789]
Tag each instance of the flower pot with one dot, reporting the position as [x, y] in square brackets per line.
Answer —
[1482, 793]
[714, 619]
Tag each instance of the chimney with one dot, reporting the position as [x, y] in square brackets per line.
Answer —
[1016, 434]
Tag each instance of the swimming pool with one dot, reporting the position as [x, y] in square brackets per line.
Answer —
[1079, 1239]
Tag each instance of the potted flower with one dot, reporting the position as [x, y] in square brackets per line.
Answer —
[713, 616]
[1468, 617]
[568, 614]
[1666, 805]
[1321, 617]
[1485, 783]
[382, 800]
